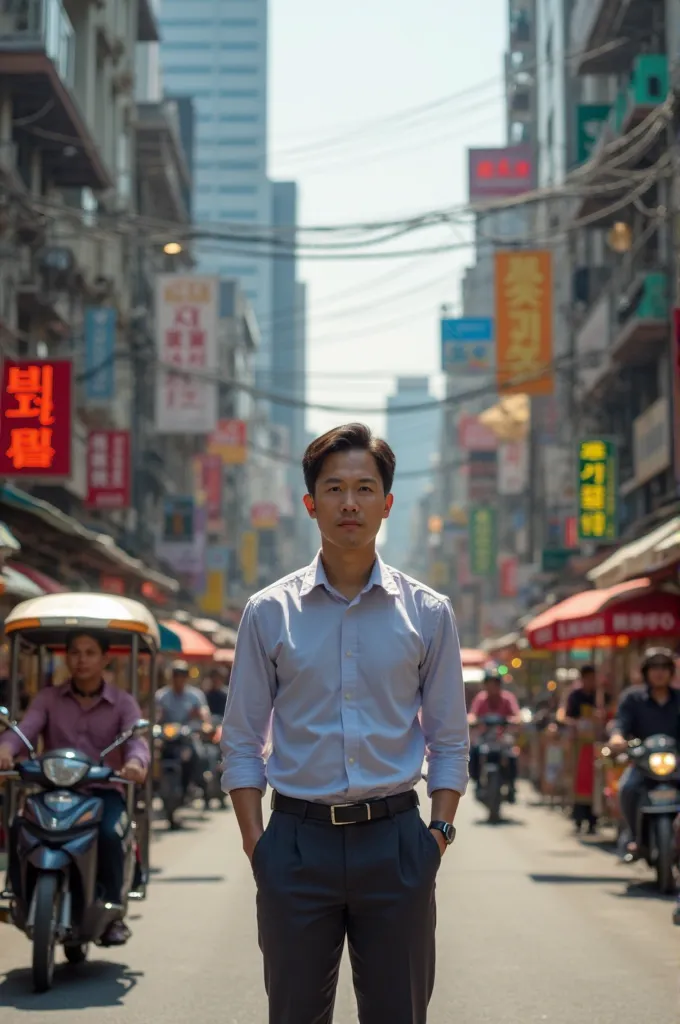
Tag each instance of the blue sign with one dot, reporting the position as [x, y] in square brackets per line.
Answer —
[100, 347]
[467, 345]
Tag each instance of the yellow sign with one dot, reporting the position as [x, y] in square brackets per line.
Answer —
[249, 555]
[229, 440]
[212, 600]
[597, 490]
[524, 330]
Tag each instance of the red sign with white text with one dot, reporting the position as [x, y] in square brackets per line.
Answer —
[35, 431]
[507, 574]
[108, 469]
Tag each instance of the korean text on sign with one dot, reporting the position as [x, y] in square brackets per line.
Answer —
[108, 469]
[36, 419]
[482, 541]
[597, 490]
[524, 322]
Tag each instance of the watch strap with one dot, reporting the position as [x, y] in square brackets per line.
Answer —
[446, 828]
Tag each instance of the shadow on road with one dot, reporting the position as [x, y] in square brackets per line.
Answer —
[190, 879]
[99, 983]
[504, 822]
[643, 891]
[581, 879]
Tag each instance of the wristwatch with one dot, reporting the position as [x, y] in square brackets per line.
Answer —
[446, 829]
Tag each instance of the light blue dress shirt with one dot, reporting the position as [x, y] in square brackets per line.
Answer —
[356, 693]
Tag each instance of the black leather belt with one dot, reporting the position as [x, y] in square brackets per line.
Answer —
[346, 814]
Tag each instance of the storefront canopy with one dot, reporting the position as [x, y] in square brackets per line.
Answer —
[170, 642]
[45, 582]
[195, 646]
[634, 559]
[618, 614]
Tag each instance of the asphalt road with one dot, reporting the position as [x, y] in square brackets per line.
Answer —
[533, 926]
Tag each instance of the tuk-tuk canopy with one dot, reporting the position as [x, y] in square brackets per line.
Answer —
[46, 619]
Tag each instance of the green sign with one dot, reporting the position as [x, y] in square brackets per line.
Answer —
[589, 120]
[555, 559]
[597, 490]
[483, 554]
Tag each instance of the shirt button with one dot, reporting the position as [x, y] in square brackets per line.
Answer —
[351, 760]
[348, 696]
[348, 654]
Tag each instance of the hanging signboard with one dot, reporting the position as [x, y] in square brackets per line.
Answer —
[108, 469]
[36, 419]
[483, 553]
[524, 329]
[597, 490]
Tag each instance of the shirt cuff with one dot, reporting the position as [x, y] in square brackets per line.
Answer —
[247, 775]
[451, 775]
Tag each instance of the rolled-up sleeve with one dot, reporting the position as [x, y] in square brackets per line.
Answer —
[247, 716]
[444, 714]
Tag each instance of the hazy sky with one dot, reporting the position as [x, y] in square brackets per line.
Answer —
[341, 68]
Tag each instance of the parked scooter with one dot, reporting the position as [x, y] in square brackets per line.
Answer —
[57, 852]
[657, 759]
[494, 765]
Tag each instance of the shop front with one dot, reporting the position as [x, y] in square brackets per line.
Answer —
[608, 628]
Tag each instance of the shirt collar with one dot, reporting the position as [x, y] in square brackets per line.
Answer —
[108, 693]
[381, 576]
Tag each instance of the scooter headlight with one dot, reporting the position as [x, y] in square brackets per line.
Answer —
[171, 731]
[663, 764]
[64, 771]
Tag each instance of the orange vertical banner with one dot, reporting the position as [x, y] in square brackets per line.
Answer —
[524, 322]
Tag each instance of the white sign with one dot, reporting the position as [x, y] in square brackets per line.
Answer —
[560, 477]
[652, 441]
[186, 338]
[513, 468]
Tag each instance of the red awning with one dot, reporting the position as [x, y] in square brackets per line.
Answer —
[41, 579]
[631, 610]
[195, 647]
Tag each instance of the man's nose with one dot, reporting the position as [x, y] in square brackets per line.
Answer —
[350, 502]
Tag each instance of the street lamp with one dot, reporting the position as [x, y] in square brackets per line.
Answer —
[620, 237]
[172, 248]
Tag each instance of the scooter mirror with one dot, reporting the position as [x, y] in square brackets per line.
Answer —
[143, 725]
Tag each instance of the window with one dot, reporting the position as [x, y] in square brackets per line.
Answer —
[226, 165]
[240, 94]
[239, 22]
[238, 215]
[239, 271]
[188, 69]
[186, 46]
[240, 69]
[237, 190]
[239, 118]
[238, 140]
[243, 47]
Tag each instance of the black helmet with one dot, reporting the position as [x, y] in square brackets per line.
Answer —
[660, 657]
[491, 676]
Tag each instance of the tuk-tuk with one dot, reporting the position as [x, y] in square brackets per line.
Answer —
[51, 791]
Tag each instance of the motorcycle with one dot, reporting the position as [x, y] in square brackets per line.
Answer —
[56, 846]
[212, 777]
[494, 755]
[174, 750]
[657, 760]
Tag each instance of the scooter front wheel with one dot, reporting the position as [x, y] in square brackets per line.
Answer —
[47, 898]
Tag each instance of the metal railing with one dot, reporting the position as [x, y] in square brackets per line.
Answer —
[45, 23]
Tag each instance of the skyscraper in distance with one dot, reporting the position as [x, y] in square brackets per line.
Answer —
[216, 51]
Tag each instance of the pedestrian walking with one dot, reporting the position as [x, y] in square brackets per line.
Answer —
[357, 668]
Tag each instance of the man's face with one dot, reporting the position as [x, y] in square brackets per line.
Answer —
[85, 660]
[349, 502]
[215, 680]
[588, 681]
[493, 689]
[659, 676]
[179, 681]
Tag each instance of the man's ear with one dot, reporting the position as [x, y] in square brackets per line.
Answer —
[389, 502]
[308, 502]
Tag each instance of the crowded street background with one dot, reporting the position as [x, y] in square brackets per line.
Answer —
[193, 196]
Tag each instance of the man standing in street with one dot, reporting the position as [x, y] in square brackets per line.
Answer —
[357, 669]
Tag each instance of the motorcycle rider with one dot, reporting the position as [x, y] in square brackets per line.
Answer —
[184, 704]
[216, 693]
[494, 700]
[644, 711]
[88, 714]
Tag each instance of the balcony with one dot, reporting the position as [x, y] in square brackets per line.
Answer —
[37, 67]
[596, 23]
[162, 164]
[646, 89]
[641, 319]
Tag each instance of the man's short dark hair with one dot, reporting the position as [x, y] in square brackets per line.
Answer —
[91, 635]
[351, 436]
[587, 670]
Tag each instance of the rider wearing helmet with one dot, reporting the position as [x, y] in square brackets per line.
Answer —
[645, 711]
[493, 700]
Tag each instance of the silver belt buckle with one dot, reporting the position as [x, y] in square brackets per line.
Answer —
[334, 807]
